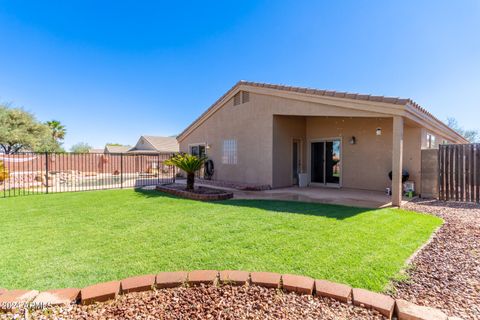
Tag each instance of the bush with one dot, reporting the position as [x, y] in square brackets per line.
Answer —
[3, 172]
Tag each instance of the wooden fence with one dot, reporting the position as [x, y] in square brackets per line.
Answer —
[459, 172]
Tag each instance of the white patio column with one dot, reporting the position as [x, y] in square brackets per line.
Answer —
[397, 161]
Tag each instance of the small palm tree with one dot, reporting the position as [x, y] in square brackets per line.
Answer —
[188, 163]
[58, 130]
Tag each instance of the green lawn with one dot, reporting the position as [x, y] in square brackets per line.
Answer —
[76, 239]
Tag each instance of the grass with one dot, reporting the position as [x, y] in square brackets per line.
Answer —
[76, 239]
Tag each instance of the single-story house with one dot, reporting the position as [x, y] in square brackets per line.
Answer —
[155, 144]
[268, 134]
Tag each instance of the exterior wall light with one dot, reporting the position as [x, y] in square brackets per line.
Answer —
[353, 140]
[379, 131]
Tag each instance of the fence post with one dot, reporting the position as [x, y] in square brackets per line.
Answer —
[46, 170]
[158, 169]
[121, 170]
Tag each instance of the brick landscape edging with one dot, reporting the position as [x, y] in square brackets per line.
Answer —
[195, 196]
[101, 292]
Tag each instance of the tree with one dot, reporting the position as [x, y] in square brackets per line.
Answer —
[20, 131]
[58, 130]
[80, 147]
[188, 163]
[471, 135]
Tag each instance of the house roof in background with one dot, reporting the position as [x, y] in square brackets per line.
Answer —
[163, 144]
[116, 149]
[96, 151]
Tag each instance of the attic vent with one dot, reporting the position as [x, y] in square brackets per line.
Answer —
[241, 97]
[245, 96]
[236, 99]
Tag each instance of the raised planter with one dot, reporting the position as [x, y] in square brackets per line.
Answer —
[200, 193]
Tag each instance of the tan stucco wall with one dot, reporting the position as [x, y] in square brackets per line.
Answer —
[252, 128]
[365, 164]
[285, 130]
[264, 134]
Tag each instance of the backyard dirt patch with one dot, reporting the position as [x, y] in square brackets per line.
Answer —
[446, 273]
[209, 302]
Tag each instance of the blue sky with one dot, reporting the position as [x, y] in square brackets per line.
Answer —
[115, 70]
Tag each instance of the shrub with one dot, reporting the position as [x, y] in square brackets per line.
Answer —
[188, 163]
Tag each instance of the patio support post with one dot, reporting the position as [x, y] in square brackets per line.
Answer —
[397, 161]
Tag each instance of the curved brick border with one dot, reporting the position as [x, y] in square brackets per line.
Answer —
[195, 196]
[387, 306]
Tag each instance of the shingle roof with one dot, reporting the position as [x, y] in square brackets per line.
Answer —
[96, 151]
[117, 149]
[163, 144]
[327, 93]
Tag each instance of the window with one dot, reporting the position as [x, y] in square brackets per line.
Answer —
[229, 151]
[198, 150]
[430, 141]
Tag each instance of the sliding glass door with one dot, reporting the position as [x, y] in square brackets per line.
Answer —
[326, 162]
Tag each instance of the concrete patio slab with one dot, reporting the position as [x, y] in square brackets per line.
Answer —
[339, 196]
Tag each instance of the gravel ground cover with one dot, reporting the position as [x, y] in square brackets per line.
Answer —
[209, 302]
[446, 273]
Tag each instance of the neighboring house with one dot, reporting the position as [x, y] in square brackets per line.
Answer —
[116, 149]
[155, 144]
[96, 151]
[267, 134]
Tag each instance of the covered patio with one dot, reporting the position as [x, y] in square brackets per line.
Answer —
[343, 196]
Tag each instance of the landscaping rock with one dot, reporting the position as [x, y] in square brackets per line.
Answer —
[209, 302]
[100, 292]
[299, 284]
[138, 284]
[57, 297]
[171, 279]
[446, 273]
[408, 311]
[266, 279]
[232, 277]
[337, 291]
[372, 300]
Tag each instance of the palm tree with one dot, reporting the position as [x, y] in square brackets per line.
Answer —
[58, 130]
[188, 163]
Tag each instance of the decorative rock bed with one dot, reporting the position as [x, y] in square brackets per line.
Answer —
[199, 193]
[317, 295]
